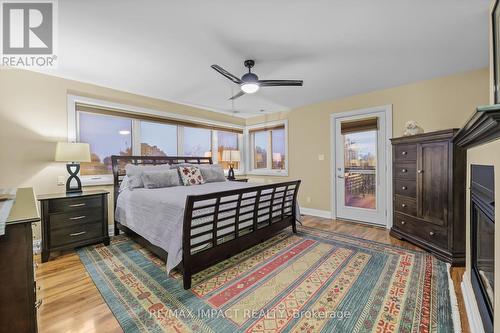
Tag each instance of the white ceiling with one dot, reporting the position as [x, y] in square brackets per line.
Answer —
[164, 48]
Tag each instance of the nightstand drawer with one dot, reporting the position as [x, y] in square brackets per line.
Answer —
[64, 220]
[74, 204]
[405, 205]
[75, 233]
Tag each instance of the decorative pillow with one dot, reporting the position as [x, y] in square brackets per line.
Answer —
[212, 173]
[159, 179]
[134, 172]
[190, 175]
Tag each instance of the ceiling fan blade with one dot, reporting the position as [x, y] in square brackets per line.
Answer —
[281, 83]
[239, 94]
[230, 76]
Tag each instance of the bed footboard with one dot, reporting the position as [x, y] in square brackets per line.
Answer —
[219, 225]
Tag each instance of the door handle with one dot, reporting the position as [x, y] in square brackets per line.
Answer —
[340, 176]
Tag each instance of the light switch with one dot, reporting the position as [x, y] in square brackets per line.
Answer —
[321, 157]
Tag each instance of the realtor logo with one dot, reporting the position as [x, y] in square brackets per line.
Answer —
[28, 29]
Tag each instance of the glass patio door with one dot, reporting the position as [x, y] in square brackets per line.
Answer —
[360, 168]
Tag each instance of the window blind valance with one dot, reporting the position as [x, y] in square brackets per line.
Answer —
[152, 118]
[361, 125]
[267, 128]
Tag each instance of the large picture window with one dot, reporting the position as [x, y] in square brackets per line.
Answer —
[268, 150]
[158, 139]
[197, 142]
[106, 136]
[110, 132]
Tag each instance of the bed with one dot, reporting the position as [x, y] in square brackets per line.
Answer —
[195, 227]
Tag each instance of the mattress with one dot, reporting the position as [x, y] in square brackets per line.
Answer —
[157, 214]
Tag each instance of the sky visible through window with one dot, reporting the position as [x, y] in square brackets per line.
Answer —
[103, 134]
[163, 136]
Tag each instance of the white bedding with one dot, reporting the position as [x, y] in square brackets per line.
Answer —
[157, 214]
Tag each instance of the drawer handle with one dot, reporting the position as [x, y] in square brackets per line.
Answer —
[404, 187]
[404, 153]
[403, 222]
[78, 217]
[420, 171]
[38, 304]
[403, 205]
[431, 233]
[78, 233]
[78, 205]
[404, 171]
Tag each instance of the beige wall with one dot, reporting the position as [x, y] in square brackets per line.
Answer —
[488, 154]
[33, 117]
[435, 104]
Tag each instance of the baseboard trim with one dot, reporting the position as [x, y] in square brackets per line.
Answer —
[316, 212]
[473, 315]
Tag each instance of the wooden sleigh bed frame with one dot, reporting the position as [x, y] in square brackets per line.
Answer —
[264, 210]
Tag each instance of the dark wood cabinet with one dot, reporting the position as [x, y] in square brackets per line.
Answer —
[429, 199]
[73, 220]
[18, 299]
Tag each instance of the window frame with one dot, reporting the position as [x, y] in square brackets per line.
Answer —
[97, 180]
[249, 149]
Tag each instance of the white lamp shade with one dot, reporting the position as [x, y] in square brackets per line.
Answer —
[72, 152]
[231, 155]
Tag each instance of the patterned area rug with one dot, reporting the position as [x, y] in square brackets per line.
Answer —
[313, 281]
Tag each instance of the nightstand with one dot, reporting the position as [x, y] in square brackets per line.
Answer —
[245, 180]
[71, 220]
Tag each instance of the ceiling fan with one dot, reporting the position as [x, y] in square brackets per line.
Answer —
[250, 82]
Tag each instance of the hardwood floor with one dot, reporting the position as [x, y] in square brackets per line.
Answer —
[72, 303]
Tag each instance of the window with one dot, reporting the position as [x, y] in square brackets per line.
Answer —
[278, 148]
[261, 140]
[158, 139]
[110, 131]
[197, 142]
[107, 135]
[268, 150]
[227, 141]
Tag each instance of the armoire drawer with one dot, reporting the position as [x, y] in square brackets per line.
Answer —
[405, 171]
[421, 229]
[407, 188]
[405, 205]
[406, 152]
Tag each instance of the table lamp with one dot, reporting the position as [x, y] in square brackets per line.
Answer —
[231, 156]
[73, 153]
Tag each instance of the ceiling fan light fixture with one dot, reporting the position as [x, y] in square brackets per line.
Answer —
[250, 87]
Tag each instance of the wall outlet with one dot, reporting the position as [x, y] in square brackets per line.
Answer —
[321, 157]
[308, 199]
[61, 180]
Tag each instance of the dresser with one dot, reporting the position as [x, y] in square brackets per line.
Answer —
[71, 220]
[429, 194]
[18, 299]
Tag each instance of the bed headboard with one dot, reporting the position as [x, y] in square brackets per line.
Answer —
[119, 162]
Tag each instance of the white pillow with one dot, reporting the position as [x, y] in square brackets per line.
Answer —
[162, 178]
[134, 172]
[212, 173]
